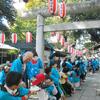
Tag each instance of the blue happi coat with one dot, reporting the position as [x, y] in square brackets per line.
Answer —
[6, 96]
[34, 69]
[17, 66]
[2, 77]
[55, 77]
[69, 65]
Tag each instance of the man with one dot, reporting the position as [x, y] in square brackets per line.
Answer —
[22, 65]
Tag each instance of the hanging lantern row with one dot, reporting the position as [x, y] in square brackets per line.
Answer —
[73, 51]
[61, 39]
[14, 37]
[52, 7]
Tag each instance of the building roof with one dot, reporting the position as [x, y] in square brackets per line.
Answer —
[22, 45]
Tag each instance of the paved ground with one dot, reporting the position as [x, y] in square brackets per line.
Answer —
[88, 91]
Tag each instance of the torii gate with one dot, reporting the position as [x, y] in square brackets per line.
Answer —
[76, 8]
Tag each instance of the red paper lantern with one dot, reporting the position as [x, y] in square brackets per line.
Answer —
[28, 37]
[62, 40]
[58, 36]
[69, 48]
[2, 37]
[72, 50]
[52, 6]
[62, 9]
[14, 38]
[53, 33]
[77, 52]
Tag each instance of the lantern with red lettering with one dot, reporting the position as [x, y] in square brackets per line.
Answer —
[62, 9]
[2, 37]
[77, 52]
[14, 38]
[52, 6]
[28, 37]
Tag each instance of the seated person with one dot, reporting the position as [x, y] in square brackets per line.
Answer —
[11, 89]
[3, 74]
[67, 87]
[51, 89]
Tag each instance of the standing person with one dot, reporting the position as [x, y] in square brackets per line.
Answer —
[21, 65]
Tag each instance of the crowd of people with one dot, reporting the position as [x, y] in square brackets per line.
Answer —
[59, 78]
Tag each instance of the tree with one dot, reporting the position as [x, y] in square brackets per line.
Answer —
[7, 12]
[95, 33]
[22, 26]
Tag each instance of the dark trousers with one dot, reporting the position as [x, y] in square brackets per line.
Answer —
[67, 88]
[25, 79]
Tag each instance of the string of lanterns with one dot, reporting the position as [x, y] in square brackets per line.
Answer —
[60, 38]
[53, 5]
[14, 37]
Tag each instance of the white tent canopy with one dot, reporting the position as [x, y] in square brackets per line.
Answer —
[5, 46]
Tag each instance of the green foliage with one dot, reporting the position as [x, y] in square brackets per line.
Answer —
[36, 3]
[13, 52]
[89, 45]
[8, 12]
[30, 25]
[22, 26]
[42, 3]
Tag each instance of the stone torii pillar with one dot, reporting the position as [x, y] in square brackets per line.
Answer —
[40, 36]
